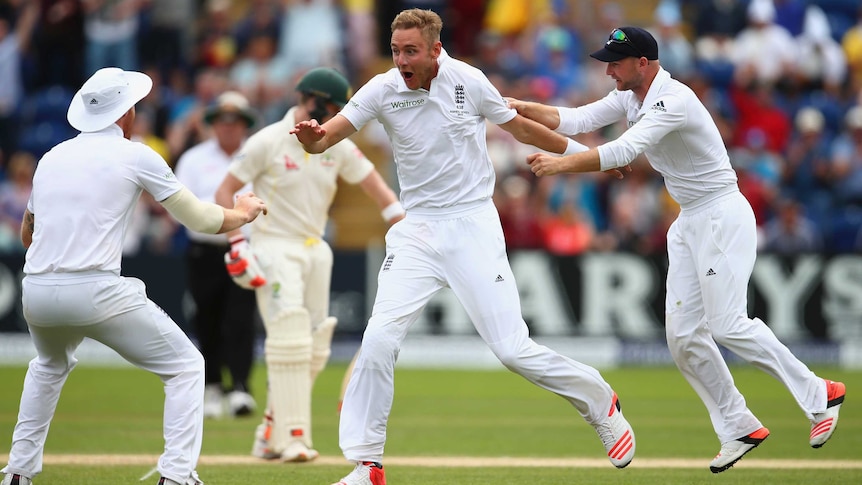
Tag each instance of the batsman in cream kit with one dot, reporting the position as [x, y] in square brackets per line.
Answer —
[287, 261]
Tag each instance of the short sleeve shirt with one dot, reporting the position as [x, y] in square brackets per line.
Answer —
[84, 193]
[437, 135]
[298, 187]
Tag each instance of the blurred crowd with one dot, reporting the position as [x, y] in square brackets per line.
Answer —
[782, 78]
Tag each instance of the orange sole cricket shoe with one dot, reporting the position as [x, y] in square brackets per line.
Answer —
[824, 424]
[733, 451]
[617, 435]
[365, 473]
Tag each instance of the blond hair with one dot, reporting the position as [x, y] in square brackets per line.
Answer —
[427, 21]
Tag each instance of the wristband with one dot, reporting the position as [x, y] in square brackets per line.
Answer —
[392, 210]
[567, 123]
[574, 147]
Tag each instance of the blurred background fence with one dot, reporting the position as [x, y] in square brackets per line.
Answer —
[602, 308]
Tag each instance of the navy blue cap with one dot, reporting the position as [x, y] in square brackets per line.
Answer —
[627, 42]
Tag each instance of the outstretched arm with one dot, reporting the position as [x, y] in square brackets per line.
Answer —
[224, 196]
[316, 138]
[246, 209]
[532, 133]
[200, 216]
[548, 116]
[543, 164]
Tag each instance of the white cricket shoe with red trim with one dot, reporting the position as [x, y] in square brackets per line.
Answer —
[617, 435]
[365, 473]
[733, 451]
[824, 424]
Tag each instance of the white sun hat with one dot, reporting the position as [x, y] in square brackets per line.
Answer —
[105, 98]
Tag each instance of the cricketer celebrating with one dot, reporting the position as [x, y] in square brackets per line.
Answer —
[434, 109]
[711, 246]
[84, 192]
[288, 262]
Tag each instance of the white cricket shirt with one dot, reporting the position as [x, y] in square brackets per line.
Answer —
[672, 128]
[84, 193]
[437, 135]
[298, 187]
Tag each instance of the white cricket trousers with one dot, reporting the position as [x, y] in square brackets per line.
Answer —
[711, 249]
[463, 249]
[61, 310]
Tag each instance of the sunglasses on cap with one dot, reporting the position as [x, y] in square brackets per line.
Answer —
[620, 37]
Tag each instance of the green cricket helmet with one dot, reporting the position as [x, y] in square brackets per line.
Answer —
[326, 83]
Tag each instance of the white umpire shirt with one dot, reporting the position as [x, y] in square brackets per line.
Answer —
[84, 193]
[437, 135]
[671, 127]
[298, 187]
[201, 169]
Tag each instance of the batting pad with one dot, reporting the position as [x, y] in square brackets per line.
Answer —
[321, 340]
[288, 362]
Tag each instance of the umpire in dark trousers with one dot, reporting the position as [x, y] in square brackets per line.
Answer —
[225, 314]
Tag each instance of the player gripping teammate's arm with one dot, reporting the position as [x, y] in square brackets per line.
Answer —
[542, 113]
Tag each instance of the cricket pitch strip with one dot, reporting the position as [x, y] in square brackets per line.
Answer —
[453, 461]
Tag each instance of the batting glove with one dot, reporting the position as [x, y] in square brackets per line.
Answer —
[242, 264]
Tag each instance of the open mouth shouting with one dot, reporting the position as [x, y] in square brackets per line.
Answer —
[410, 78]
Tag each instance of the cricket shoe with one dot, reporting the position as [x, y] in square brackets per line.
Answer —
[213, 401]
[365, 473]
[240, 403]
[733, 451]
[15, 479]
[298, 452]
[824, 424]
[192, 480]
[617, 435]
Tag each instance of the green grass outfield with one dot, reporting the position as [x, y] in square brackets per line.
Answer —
[450, 427]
